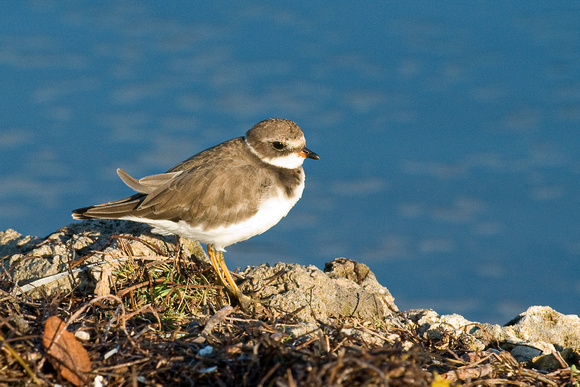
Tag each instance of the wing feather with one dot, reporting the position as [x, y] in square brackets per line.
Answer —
[220, 195]
[146, 184]
[217, 187]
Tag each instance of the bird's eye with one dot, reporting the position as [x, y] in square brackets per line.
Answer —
[278, 145]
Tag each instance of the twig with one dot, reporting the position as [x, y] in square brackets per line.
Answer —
[218, 317]
[20, 360]
[268, 374]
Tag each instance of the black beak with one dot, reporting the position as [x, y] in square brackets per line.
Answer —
[308, 154]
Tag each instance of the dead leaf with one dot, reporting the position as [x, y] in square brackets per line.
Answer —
[65, 352]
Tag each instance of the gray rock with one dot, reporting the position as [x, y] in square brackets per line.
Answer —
[533, 336]
[311, 294]
[79, 254]
[555, 360]
[360, 274]
[542, 323]
[525, 353]
[12, 242]
[538, 333]
[441, 328]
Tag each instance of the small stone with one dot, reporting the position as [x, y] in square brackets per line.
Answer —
[205, 351]
[525, 353]
[82, 335]
[546, 362]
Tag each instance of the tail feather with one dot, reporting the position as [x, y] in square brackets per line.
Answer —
[110, 210]
[146, 184]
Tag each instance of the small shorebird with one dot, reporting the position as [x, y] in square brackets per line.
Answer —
[222, 195]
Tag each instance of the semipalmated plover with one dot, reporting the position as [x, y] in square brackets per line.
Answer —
[222, 195]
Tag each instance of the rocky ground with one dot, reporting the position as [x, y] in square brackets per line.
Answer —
[109, 303]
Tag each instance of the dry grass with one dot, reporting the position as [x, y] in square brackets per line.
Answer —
[167, 323]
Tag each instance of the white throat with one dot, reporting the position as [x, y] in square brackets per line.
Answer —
[291, 161]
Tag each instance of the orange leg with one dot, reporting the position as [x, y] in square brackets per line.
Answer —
[216, 267]
[219, 265]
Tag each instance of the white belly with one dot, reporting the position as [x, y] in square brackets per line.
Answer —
[270, 213]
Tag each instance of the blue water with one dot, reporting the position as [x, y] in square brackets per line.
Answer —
[448, 131]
